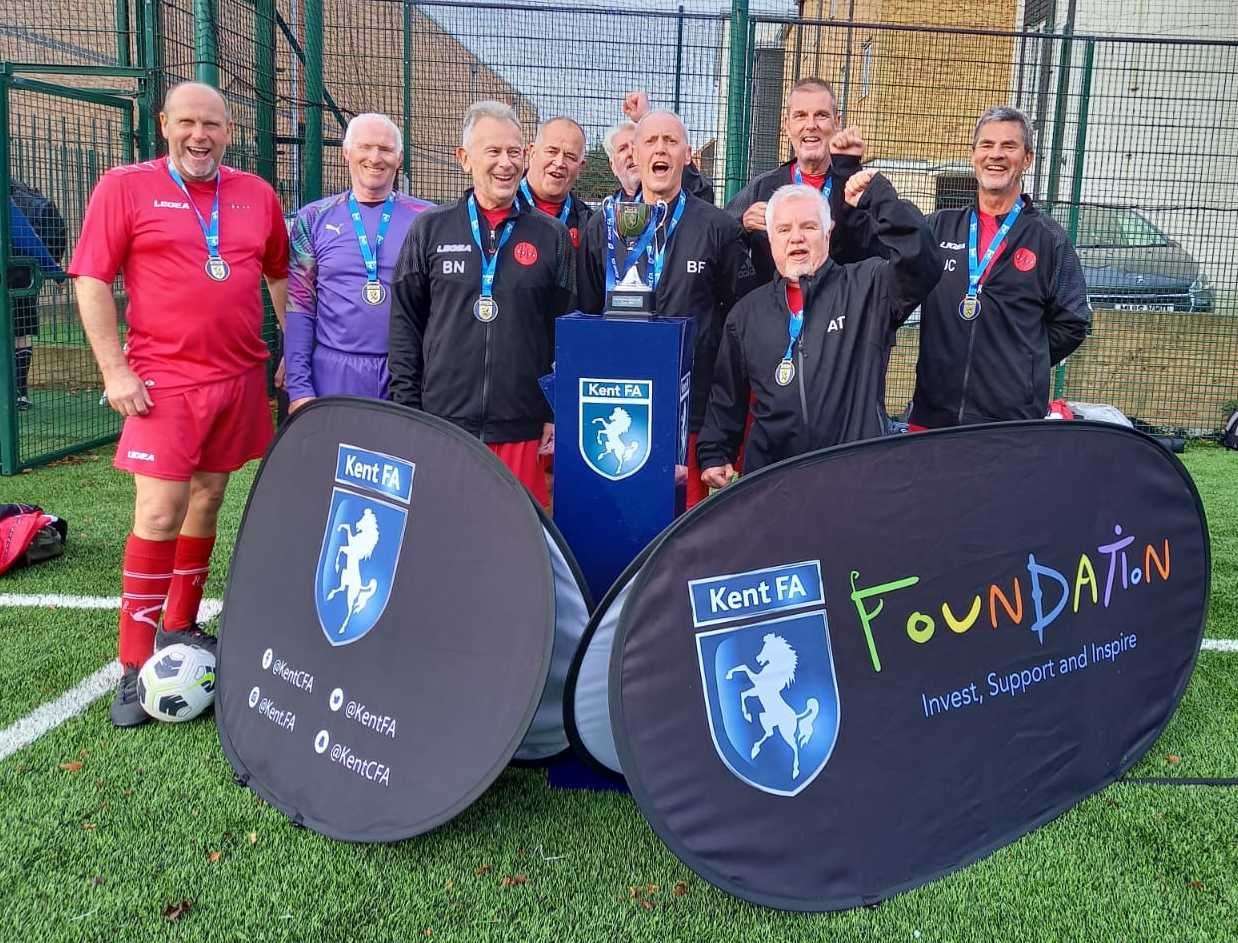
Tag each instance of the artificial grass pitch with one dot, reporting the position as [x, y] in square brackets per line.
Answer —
[107, 833]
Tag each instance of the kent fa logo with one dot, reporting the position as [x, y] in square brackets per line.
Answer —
[362, 541]
[615, 422]
[771, 695]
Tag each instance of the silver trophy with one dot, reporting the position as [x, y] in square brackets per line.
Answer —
[631, 296]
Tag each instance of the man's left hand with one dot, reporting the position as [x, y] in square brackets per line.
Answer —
[847, 141]
[279, 375]
[857, 185]
[636, 104]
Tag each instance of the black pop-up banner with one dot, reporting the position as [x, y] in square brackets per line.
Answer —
[390, 623]
[859, 670]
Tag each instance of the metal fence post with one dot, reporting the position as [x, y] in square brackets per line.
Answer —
[678, 56]
[122, 32]
[1059, 104]
[151, 59]
[264, 71]
[9, 456]
[205, 47]
[311, 172]
[737, 93]
[407, 128]
[1076, 183]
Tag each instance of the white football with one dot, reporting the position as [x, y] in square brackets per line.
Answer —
[177, 683]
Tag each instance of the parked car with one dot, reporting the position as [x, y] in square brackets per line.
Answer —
[1131, 265]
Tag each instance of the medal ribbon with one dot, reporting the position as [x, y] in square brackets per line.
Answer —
[368, 255]
[209, 232]
[659, 258]
[797, 177]
[977, 267]
[489, 265]
[794, 327]
[528, 198]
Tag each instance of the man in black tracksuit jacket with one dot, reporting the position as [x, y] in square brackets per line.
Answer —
[706, 267]
[454, 352]
[483, 377]
[810, 122]
[1032, 306]
[835, 392]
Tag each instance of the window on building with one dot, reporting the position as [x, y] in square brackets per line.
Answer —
[866, 69]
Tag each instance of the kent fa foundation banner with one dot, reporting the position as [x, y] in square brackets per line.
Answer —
[861, 669]
[397, 626]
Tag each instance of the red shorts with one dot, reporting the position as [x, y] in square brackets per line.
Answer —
[522, 460]
[214, 427]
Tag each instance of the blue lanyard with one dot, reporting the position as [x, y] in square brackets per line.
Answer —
[794, 327]
[368, 255]
[976, 267]
[210, 232]
[797, 177]
[657, 260]
[528, 198]
[491, 264]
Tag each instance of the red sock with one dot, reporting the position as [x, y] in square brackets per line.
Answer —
[146, 573]
[193, 563]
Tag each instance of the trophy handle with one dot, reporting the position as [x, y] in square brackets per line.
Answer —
[661, 212]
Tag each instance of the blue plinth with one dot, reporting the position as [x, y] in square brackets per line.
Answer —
[621, 390]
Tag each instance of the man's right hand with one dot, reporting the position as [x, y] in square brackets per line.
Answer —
[126, 393]
[754, 217]
[718, 477]
[298, 403]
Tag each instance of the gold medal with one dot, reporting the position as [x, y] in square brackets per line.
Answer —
[217, 269]
[486, 309]
[785, 372]
[374, 293]
[969, 307]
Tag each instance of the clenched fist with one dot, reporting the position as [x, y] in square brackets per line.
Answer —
[857, 186]
[847, 141]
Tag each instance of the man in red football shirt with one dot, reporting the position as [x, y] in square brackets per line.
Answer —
[193, 239]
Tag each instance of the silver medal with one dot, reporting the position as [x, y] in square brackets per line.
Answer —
[785, 373]
[217, 269]
[486, 310]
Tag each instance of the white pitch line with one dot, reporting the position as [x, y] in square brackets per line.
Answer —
[51, 715]
[1220, 645]
[208, 610]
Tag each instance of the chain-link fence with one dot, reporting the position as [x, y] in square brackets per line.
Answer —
[1136, 140]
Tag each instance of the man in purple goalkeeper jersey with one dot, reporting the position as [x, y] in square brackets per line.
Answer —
[342, 255]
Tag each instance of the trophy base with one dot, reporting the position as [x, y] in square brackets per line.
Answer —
[629, 304]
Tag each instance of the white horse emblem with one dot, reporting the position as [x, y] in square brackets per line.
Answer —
[611, 436]
[778, 660]
[358, 546]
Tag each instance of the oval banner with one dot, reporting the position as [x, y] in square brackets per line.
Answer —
[388, 625]
[861, 669]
